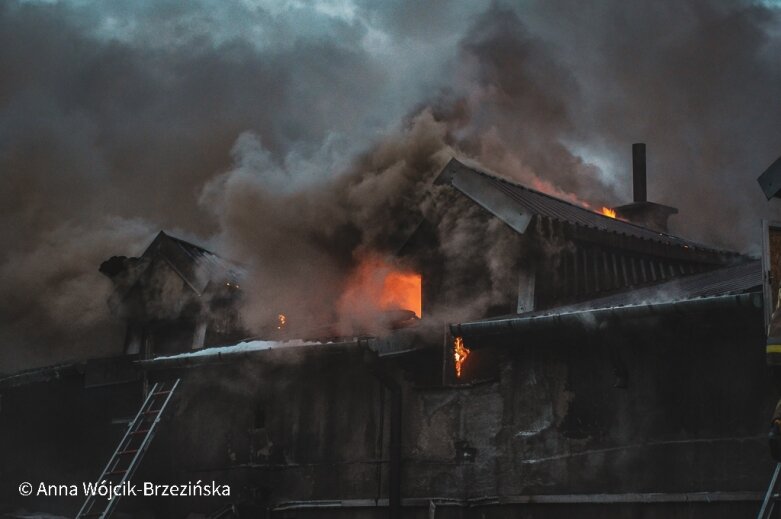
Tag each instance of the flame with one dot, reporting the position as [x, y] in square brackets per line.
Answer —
[606, 211]
[460, 354]
[281, 321]
[551, 189]
[401, 290]
[377, 285]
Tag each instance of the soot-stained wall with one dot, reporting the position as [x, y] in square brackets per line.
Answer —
[691, 417]
[290, 427]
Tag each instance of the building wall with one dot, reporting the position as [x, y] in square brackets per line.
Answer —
[292, 428]
[59, 432]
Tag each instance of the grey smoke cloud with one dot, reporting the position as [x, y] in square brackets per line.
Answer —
[294, 136]
[697, 82]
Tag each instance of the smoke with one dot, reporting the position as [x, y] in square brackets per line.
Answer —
[691, 79]
[50, 298]
[302, 244]
[296, 139]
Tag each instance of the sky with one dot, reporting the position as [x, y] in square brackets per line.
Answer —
[296, 136]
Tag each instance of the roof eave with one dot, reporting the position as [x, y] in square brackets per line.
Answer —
[594, 318]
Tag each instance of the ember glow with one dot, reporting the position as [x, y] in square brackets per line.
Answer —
[378, 285]
[281, 321]
[606, 211]
[460, 354]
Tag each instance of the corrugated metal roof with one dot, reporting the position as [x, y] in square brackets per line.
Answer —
[735, 279]
[531, 202]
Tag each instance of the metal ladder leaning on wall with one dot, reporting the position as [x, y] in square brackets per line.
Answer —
[126, 458]
[772, 495]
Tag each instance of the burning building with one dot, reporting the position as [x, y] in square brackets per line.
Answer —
[597, 362]
[176, 296]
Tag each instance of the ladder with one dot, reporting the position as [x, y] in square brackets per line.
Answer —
[126, 458]
[771, 496]
[225, 512]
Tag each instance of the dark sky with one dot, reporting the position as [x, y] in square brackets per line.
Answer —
[293, 136]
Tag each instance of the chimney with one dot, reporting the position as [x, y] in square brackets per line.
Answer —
[638, 171]
[641, 211]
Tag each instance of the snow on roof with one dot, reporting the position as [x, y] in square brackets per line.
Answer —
[242, 347]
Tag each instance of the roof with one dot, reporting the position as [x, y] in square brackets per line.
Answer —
[94, 369]
[600, 318]
[726, 281]
[194, 264]
[516, 204]
[727, 288]
[249, 350]
[232, 350]
[41, 374]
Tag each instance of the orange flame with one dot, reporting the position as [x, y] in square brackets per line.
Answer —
[378, 285]
[281, 321]
[611, 213]
[460, 353]
[401, 290]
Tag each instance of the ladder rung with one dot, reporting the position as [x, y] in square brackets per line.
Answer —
[105, 506]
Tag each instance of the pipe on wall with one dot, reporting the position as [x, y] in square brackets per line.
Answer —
[394, 466]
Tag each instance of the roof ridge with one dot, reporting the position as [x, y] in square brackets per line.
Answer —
[189, 244]
[505, 180]
[494, 176]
